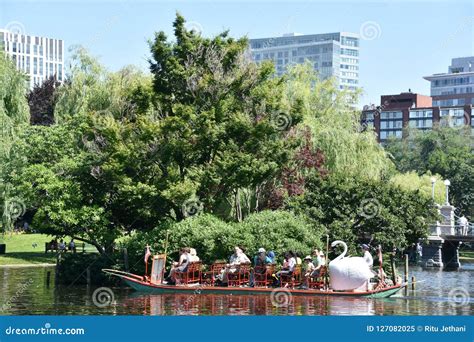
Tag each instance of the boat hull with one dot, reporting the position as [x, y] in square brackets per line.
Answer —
[201, 289]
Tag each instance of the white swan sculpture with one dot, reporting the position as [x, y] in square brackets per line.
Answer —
[348, 273]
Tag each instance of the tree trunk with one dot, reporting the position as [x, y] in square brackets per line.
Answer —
[238, 208]
[93, 243]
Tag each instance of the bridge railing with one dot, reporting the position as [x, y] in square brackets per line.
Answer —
[458, 230]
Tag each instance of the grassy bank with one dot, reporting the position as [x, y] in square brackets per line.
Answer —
[28, 249]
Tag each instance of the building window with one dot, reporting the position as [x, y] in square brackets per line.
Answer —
[391, 115]
[424, 113]
[452, 117]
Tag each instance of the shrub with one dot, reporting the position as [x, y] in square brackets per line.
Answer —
[215, 239]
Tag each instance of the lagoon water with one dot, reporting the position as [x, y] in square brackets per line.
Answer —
[24, 292]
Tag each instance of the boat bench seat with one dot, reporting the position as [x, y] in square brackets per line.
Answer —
[263, 275]
[318, 282]
[241, 276]
[192, 275]
[291, 280]
[209, 277]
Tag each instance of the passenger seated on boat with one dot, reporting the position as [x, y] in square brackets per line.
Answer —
[193, 255]
[259, 262]
[235, 260]
[367, 256]
[288, 265]
[181, 265]
[318, 281]
[297, 257]
[191, 275]
[261, 259]
[318, 262]
[271, 256]
[309, 268]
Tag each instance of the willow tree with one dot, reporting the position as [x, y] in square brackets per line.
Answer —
[14, 115]
[92, 88]
[330, 113]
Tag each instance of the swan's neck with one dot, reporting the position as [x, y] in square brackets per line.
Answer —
[343, 254]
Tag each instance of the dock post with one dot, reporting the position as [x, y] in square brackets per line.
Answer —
[56, 271]
[88, 276]
[125, 260]
[406, 267]
[413, 283]
[394, 269]
[48, 278]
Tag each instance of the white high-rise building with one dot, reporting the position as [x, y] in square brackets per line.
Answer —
[456, 87]
[332, 54]
[38, 57]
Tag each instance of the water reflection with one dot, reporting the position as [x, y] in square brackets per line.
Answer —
[24, 292]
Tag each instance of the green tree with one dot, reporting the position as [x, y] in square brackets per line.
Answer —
[444, 151]
[359, 211]
[14, 116]
[221, 133]
[330, 113]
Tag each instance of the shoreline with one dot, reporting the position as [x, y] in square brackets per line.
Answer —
[27, 265]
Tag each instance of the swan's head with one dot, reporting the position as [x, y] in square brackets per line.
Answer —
[337, 242]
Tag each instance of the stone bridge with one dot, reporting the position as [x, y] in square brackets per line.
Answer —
[441, 249]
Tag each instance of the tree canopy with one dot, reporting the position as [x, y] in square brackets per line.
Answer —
[445, 151]
[209, 145]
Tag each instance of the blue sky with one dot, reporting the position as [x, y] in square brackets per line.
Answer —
[413, 39]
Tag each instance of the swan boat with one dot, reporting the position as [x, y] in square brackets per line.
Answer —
[139, 283]
[154, 284]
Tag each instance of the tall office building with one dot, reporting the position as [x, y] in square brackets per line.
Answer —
[456, 87]
[37, 57]
[331, 54]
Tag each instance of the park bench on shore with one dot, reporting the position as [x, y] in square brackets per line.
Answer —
[54, 247]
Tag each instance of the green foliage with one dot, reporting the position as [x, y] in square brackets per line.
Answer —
[218, 137]
[334, 121]
[90, 87]
[358, 211]
[214, 239]
[411, 181]
[14, 116]
[129, 152]
[72, 269]
[444, 151]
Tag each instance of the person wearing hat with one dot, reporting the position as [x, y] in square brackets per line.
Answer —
[309, 269]
[259, 261]
[367, 256]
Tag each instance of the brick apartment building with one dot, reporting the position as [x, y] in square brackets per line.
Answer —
[396, 112]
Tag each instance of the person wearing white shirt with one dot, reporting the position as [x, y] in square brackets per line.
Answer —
[235, 260]
[367, 256]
